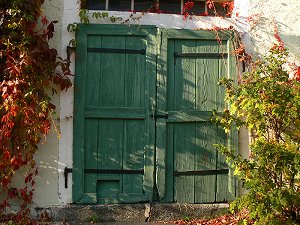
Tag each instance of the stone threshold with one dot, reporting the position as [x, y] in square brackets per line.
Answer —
[128, 213]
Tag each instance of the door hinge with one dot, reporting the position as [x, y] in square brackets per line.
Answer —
[70, 50]
[66, 173]
[200, 55]
[118, 50]
[201, 172]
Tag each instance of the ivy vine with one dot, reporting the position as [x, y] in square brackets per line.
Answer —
[28, 69]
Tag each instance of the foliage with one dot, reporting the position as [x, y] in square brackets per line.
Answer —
[28, 68]
[188, 6]
[267, 103]
[85, 18]
[236, 218]
[226, 5]
[93, 219]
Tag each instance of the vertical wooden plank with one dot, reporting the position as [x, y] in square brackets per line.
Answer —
[168, 49]
[133, 156]
[223, 72]
[184, 94]
[164, 188]
[222, 190]
[206, 88]
[79, 122]
[205, 159]
[93, 75]
[184, 76]
[222, 185]
[207, 76]
[150, 92]
[112, 66]
[184, 147]
[110, 150]
[109, 156]
[135, 66]
[169, 163]
[134, 131]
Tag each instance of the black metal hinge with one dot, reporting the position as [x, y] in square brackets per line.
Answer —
[70, 50]
[201, 172]
[66, 173]
[101, 171]
[201, 55]
[106, 171]
[117, 50]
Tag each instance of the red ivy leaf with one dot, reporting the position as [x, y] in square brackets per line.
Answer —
[5, 181]
[13, 192]
[44, 20]
[50, 30]
[297, 74]
[210, 4]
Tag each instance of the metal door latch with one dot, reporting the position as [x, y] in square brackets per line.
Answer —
[159, 116]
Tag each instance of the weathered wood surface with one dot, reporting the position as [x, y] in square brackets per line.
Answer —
[115, 95]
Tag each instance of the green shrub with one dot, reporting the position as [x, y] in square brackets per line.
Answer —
[267, 102]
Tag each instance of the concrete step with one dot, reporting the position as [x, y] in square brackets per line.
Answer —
[129, 214]
[107, 223]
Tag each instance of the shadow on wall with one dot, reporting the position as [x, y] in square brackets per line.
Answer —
[261, 38]
[46, 182]
[46, 187]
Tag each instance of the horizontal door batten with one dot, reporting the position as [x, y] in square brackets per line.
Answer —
[189, 116]
[201, 172]
[204, 55]
[114, 112]
[117, 50]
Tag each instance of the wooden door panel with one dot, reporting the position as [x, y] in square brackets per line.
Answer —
[133, 155]
[112, 122]
[199, 173]
[112, 84]
[184, 150]
[206, 159]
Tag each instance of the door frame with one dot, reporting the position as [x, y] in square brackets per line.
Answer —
[83, 30]
[164, 178]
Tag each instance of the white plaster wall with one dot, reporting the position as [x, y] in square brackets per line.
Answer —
[286, 14]
[46, 188]
[58, 153]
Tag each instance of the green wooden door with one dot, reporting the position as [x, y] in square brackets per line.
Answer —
[190, 169]
[113, 130]
[143, 99]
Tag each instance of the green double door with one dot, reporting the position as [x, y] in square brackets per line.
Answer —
[143, 101]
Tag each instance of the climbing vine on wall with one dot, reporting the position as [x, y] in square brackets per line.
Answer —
[28, 70]
[85, 15]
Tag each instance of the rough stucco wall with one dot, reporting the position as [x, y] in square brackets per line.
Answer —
[46, 193]
[65, 155]
[285, 14]
[57, 153]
